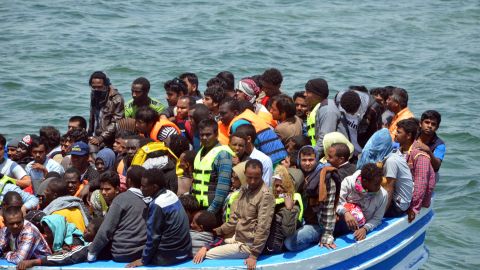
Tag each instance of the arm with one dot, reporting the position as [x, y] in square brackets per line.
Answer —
[289, 220]
[390, 188]
[223, 166]
[29, 201]
[378, 215]
[325, 122]
[23, 180]
[262, 231]
[435, 157]
[106, 230]
[229, 226]
[77, 255]
[326, 215]
[154, 230]
[343, 196]
[23, 249]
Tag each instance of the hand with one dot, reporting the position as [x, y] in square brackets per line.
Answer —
[25, 264]
[422, 146]
[251, 262]
[288, 202]
[94, 140]
[134, 264]
[39, 167]
[24, 210]
[235, 160]
[200, 255]
[360, 234]
[351, 221]
[411, 215]
[328, 246]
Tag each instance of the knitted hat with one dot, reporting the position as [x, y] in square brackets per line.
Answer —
[317, 86]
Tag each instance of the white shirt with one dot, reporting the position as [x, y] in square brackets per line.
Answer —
[10, 168]
[266, 163]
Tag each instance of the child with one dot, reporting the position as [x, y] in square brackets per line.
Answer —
[190, 204]
[238, 179]
[201, 231]
[186, 164]
[362, 189]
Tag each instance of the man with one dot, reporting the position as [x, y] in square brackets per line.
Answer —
[79, 158]
[19, 239]
[77, 122]
[181, 119]
[12, 146]
[227, 110]
[350, 118]
[324, 114]
[7, 184]
[420, 167]
[148, 123]
[106, 108]
[198, 113]
[168, 237]
[301, 106]
[250, 222]
[11, 168]
[174, 88]
[428, 141]
[213, 95]
[248, 131]
[229, 79]
[41, 164]
[109, 186]
[212, 169]
[191, 80]
[74, 185]
[397, 103]
[124, 227]
[140, 98]
[132, 144]
[51, 136]
[270, 81]
[248, 90]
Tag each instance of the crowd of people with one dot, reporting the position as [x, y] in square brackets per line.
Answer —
[240, 171]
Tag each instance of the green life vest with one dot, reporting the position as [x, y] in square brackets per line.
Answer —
[5, 180]
[230, 202]
[311, 124]
[297, 198]
[202, 169]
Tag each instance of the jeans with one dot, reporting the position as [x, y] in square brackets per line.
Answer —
[304, 237]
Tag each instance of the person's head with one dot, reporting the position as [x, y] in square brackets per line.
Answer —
[39, 150]
[203, 221]
[80, 155]
[178, 144]
[248, 131]
[238, 143]
[398, 100]
[184, 104]
[56, 188]
[372, 177]
[316, 90]
[380, 94]
[92, 229]
[282, 182]
[350, 102]
[105, 160]
[132, 144]
[197, 113]
[295, 143]
[216, 82]
[145, 119]
[190, 204]
[153, 180]
[301, 106]
[253, 174]
[175, 88]
[77, 122]
[247, 90]
[208, 131]
[12, 146]
[99, 81]
[187, 159]
[407, 130]
[430, 122]
[51, 136]
[282, 107]
[119, 145]
[13, 219]
[337, 154]
[229, 80]
[24, 147]
[212, 97]
[271, 81]
[134, 176]
[12, 199]
[191, 80]
[228, 110]
[72, 179]
[308, 159]
[238, 176]
[109, 186]
[140, 89]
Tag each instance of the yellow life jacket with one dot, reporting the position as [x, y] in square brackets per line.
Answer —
[5, 180]
[158, 126]
[202, 169]
[143, 152]
[311, 124]
[298, 199]
[230, 202]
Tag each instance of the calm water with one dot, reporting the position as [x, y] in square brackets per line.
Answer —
[431, 48]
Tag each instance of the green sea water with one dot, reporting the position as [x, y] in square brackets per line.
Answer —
[48, 49]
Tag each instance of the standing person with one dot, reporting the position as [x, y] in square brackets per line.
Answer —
[106, 108]
[140, 98]
[250, 222]
[350, 118]
[41, 164]
[174, 88]
[428, 139]
[77, 122]
[271, 81]
[212, 169]
[148, 123]
[324, 114]
[301, 108]
[227, 110]
[283, 111]
[191, 80]
[10, 168]
[168, 230]
[397, 103]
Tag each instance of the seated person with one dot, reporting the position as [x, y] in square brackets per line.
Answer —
[80, 152]
[74, 185]
[41, 164]
[61, 235]
[19, 239]
[190, 204]
[201, 232]
[102, 198]
[168, 231]
[105, 160]
[29, 202]
[148, 123]
[124, 227]
[186, 164]
[59, 202]
[238, 179]
[283, 110]
[361, 191]
[10, 168]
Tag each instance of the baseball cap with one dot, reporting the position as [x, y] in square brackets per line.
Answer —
[79, 149]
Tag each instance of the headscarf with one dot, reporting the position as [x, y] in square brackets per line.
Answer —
[335, 137]
[239, 169]
[376, 148]
[250, 88]
[108, 157]
[63, 231]
[288, 184]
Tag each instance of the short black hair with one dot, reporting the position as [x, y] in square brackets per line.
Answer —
[178, 144]
[3, 141]
[189, 203]
[431, 114]
[240, 135]
[191, 77]
[51, 136]
[217, 93]
[135, 173]
[299, 94]
[299, 141]
[381, 91]
[200, 112]
[272, 76]
[73, 170]
[53, 174]
[176, 85]
[147, 115]
[111, 178]
[144, 82]
[58, 186]
[207, 220]
[215, 81]
[247, 131]
[99, 75]
[10, 197]
[371, 172]
[341, 150]
[12, 211]
[410, 125]
[244, 105]
[80, 120]
[37, 141]
[228, 78]
[191, 100]
[190, 156]
[208, 123]
[254, 163]
[233, 103]
[77, 135]
[360, 88]
[155, 176]
[306, 151]
[285, 104]
[400, 95]
[350, 101]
